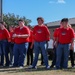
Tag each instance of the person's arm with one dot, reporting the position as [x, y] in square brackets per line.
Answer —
[47, 34]
[23, 36]
[55, 42]
[7, 34]
[20, 36]
[72, 39]
[72, 44]
[32, 45]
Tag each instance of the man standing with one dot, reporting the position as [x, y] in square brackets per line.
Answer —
[4, 39]
[41, 35]
[65, 37]
[21, 35]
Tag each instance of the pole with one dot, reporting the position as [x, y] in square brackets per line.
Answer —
[1, 14]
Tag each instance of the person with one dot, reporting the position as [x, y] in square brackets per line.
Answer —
[72, 53]
[72, 57]
[4, 39]
[21, 36]
[41, 36]
[30, 49]
[55, 43]
[11, 45]
[65, 37]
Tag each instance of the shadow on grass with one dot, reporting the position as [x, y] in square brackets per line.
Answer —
[25, 69]
[69, 69]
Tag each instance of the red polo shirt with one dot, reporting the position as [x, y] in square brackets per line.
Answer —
[4, 34]
[41, 33]
[24, 30]
[65, 35]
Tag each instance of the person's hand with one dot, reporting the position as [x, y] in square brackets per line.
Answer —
[71, 47]
[9, 40]
[31, 46]
[14, 35]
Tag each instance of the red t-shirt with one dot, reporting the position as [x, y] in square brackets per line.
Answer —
[65, 35]
[41, 33]
[31, 36]
[74, 35]
[56, 33]
[11, 38]
[4, 34]
[18, 31]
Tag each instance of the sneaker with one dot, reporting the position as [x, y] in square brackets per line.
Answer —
[48, 67]
[31, 67]
[73, 66]
[51, 66]
[10, 65]
[2, 65]
[21, 67]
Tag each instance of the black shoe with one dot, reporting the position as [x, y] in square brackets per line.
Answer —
[52, 66]
[28, 64]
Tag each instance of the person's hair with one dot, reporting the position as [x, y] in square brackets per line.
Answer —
[64, 20]
[40, 18]
[29, 26]
[11, 26]
[21, 20]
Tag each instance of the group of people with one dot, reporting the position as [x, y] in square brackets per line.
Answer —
[22, 40]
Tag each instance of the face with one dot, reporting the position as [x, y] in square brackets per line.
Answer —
[40, 22]
[11, 29]
[21, 23]
[1, 26]
[64, 24]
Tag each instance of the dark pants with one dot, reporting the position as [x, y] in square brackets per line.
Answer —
[54, 57]
[29, 55]
[4, 51]
[72, 57]
[11, 45]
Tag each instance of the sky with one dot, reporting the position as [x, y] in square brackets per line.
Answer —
[50, 10]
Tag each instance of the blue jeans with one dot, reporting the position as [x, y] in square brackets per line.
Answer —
[62, 49]
[43, 47]
[20, 51]
[4, 51]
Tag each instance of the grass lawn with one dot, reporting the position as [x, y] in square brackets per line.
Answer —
[40, 71]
